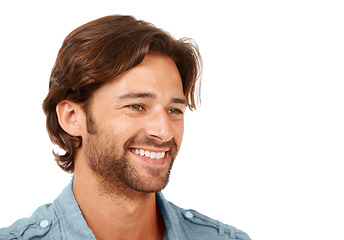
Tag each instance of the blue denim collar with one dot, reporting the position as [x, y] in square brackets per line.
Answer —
[74, 226]
[173, 228]
[72, 222]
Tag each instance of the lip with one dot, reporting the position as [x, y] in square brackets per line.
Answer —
[150, 161]
[151, 149]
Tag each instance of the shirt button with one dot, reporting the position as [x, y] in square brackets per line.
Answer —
[44, 223]
[188, 214]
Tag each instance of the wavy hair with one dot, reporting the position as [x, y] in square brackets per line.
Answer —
[100, 50]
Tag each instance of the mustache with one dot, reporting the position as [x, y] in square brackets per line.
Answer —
[151, 142]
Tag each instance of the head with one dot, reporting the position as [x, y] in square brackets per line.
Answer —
[118, 62]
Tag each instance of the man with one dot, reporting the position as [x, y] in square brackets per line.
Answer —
[116, 101]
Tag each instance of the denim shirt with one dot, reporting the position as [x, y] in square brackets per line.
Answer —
[63, 219]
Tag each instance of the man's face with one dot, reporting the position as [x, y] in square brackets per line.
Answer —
[135, 127]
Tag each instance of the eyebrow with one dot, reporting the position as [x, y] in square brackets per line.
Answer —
[151, 96]
[138, 95]
[178, 100]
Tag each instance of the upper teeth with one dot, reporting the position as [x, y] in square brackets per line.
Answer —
[152, 155]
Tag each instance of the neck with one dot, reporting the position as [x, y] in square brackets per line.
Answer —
[113, 216]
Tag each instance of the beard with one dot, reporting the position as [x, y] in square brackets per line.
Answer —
[115, 170]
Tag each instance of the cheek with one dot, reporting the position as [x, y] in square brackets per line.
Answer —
[178, 130]
[124, 129]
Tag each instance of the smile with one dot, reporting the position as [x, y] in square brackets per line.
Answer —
[152, 155]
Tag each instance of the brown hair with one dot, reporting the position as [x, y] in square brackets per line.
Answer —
[100, 50]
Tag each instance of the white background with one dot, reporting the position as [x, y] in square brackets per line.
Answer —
[265, 150]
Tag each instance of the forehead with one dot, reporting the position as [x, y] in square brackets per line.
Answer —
[155, 74]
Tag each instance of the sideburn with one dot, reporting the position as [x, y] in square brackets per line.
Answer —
[90, 124]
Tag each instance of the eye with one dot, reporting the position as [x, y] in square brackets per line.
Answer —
[175, 111]
[136, 107]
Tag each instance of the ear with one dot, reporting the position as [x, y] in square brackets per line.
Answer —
[69, 117]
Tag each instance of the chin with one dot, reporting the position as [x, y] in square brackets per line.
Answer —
[152, 184]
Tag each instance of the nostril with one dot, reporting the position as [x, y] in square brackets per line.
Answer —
[162, 136]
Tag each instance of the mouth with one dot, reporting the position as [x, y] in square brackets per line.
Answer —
[149, 154]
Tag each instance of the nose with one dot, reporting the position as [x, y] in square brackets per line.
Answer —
[158, 126]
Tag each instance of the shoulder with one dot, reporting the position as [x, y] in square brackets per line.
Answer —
[38, 226]
[199, 226]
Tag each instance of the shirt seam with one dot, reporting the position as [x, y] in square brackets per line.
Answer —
[61, 228]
